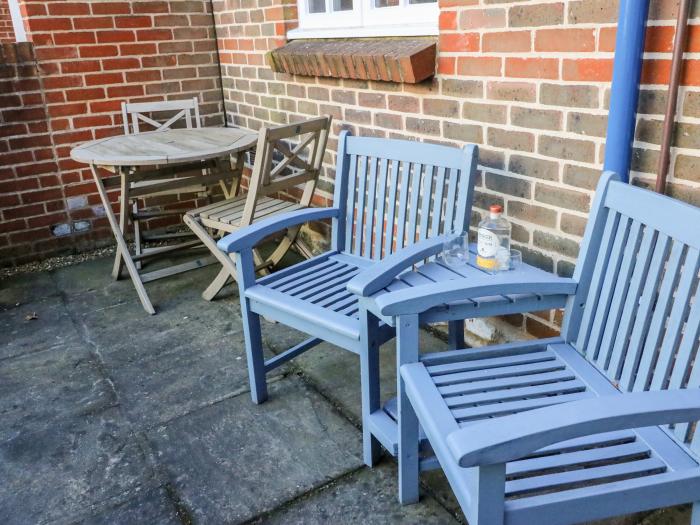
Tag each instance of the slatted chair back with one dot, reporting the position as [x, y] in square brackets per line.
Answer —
[400, 192]
[636, 315]
[135, 114]
[287, 157]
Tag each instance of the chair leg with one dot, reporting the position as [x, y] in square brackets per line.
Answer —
[369, 378]
[254, 353]
[455, 334]
[217, 284]
[695, 514]
[138, 248]
[409, 459]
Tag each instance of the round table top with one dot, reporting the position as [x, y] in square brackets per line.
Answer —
[171, 146]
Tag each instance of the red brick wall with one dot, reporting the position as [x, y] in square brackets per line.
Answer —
[527, 80]
[7, 32]
[90, 56]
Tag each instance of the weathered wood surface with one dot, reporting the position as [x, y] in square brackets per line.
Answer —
[172, 146]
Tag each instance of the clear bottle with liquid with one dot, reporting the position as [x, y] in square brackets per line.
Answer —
[493, 241]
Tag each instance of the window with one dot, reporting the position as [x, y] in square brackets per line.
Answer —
[365, 18]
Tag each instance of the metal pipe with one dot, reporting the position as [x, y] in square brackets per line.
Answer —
[679, 42]
[624, 95]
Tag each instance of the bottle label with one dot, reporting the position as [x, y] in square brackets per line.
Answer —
[487, 243]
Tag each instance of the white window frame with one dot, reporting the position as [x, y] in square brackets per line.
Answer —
[366, 20]
[17, 22]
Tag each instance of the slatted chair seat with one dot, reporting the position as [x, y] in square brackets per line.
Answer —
[599, 422]
[278, 168]
[231, 211]
[469, 386]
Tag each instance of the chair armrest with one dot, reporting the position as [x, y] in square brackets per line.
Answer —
[513, 437]
[421, 298]
[250, 236]
[373, 279]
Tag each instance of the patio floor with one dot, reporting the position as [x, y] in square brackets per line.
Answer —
[113, 416]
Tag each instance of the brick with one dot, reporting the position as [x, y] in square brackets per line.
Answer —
[461, 88]
[567, 40]
[532, 214]
[587, 124]
[423, 126]
[536, 118]
[532, 68]
[687, 167]
[511, 91]
[573, 224]
[592, 11]
[579, 176]
[569, 95]
[588, 69]
[482, 18]
[567, 149]
[479, 66]
[462, 132]
[511, 140]
[372, 100]
[506, 42]
[448, 20]
[407, 104]
[554, 243]
[493, 113]
[440, 107]
[561, 197]
[459, 42]
[691, 104]
[388, 120]
[653, 102]
[536, 15]
[508, 185]
[534, 167]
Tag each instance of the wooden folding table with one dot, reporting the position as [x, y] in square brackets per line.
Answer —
[162, 157]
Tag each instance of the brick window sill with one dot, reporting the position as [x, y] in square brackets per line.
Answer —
[408, 60]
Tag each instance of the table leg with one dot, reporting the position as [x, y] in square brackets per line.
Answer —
[122, 248]
[455, 334]
[123, 219]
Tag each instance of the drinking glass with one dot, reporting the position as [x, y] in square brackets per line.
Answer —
[455, 251]
[516, 259]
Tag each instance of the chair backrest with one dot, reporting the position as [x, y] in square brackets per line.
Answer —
[134, 114]
[636, 315]
[394, 193]
[287, 157]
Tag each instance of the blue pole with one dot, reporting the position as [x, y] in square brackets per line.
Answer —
[624, 94]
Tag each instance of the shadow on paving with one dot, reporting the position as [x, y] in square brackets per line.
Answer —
[112, 416]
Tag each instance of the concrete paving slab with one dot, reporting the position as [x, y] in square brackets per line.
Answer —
[80, 463]
[336, 372]
[36, 326]
[40, 389]
[368, 496]
[26, 288]
[234, 460]
[153, 507]
[157, 382]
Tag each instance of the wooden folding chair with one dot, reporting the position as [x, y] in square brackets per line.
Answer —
[287, 160]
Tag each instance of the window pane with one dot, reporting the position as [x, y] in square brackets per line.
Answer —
[317, 6]
[386, 3]
[342, 5]
[422, 1]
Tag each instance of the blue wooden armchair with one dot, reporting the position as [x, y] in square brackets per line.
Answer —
[392, 200]
[598, 422]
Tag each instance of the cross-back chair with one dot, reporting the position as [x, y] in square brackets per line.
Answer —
[288, 160]
[598, 422]
[141, 117]
[393, 199]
